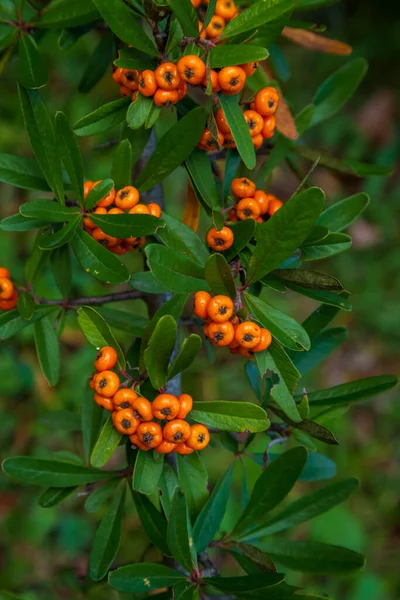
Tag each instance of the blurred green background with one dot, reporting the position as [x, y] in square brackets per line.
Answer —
[43, 553]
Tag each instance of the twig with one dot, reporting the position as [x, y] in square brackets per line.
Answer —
[89, 300]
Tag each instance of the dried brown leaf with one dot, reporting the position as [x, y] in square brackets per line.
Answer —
[314, 41]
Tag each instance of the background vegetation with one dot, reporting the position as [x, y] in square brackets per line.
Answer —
[43, 552]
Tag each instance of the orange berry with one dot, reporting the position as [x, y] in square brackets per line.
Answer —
[250, 68]
[165, 407]
[201, 301]
[124, 91]
[136, 442]
[167, 76]
[257, 141]
[125, 398]
[232, 79]
[269, 127]
[266, 101]
[130, 79]
[199, 437]
[265, 341]
[147, 83]
[262, 200]
[221, 334]
[254, 121]
[226, 9]
[150, 434]
[106, 383]
[221, 121]
[274, 205]
[183, 449]
[215, 27]
[6, 288]
[248, 334]
[177, 431]
[220, 309]
[10, 303]
[247, 208]
[117, 74]
[243, 187]
[124, 421]
[192, 69]
[104, 239]
[166, 97]
[154, 209]
[165, 447]
[214, 81]
[106, 359]
[220, 240]
[139, 209]
[186, 405]
[4, 273]
[127, 197]
[104, 402]
[142, 409]
[207, 141]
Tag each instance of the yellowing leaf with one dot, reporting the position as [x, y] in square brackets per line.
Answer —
[191, 213]
[313, 41]
[285, 122]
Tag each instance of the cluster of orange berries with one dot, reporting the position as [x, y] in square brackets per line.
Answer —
[8, 293]
[252, 203]
[158, 425]
[260, 119]
[125, 201]
[225, 11]
[223, 328]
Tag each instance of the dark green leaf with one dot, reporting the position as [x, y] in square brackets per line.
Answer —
[285, 366]
[98, 64]
[230, 416]
[98, 192]
[249, 583]
[199, 168]
[159, 351]
[100, 495]
[47, 210]
[315, 430]
[341, 215]
[50, 241]
[193, 479]
[309, 279]
[32, 70]
[123, 226]
[314, 557]
[179, 533]
[132, 59]
[188, 351]
[143, 577]
[138, 111]
[256, 15]
[322, 296]
[106, 444]
[256, 556]
[47, 350]
[70, 153]
[347, 166]
[307, 507]
[26, 305]
[354, 391]
[240, 131]
[333, 244]
[270, 489]
[124, 321]
[173, 270]
[280, 236]
[320, 318]
[173, 149]
[68, 13]
[122, 164]
[97, 260]
[219, 276]
[53, 496]
[186, 14]
[179, 236]
[11, 322]
[323, 344]
[147, 473]
[243, 232]
[167, 484]
[153, 522]
[210, 518]
[107, 539]
[283, 327]
[125, 25]
[40, 129]
[60, 263]
[22, 171]
[145, 282]
[338, 89]
[20, 223]
[224, 56]
[280, 392]
[103, 118]
[97, 331]
[41, 471]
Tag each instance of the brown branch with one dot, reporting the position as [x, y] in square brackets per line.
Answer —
[90, 300]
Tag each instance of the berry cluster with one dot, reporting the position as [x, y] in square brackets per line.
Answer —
[125, 201]
[225, 11]
[223, 328]
[260, 118]
[158, 425]
[252, 203]
[8, 294]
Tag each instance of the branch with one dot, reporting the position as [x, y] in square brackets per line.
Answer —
[90, 300]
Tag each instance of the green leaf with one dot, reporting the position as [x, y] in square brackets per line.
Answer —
[333, 244]
[47, 350]
[145, 282]
[280, 236]
[341, 215]
[91, 418]
[97, 260]
[70, 153]
[199, 168]
[50, 241]
[186, 591]
[60, 263]
[322, 345]
[225, 56]
[193, 479]
[240, 131]
[243, 232]
[249, 583]
[97, 332]
[53, 496]
[315, 430]
[104, 118]
[11, 322]
[147, 472]
[108, 536]
[309, 279]
[179, 533]
[98, 63]
[354, 391]
[106, 444]
[179, 236]
[22, 172]
[256, 15]
[270, 489]
[125, 25]
[347, 166]
[188, 351]
[285, 365]
[143, 577]
[124, 321]
[98, 192]
[26, 305]
[123, 226]
[338, 89]
[231, 416]
[132, 59]
[173, 149]
[20, 223]
[32, 69]
[159, 351]
[314, 557]
[186, 14]
[167, 484]
[280, 391]
[48, 210]
[122, 163]
[67, 13]
[285, 329]
[321, 296]
[175, 271]
[307, 507]
[41, 471]
[209, 520]
[138, 111]
[219, 276]
[40, 129]
[153, 522]
[258, 559]
[100, 495]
